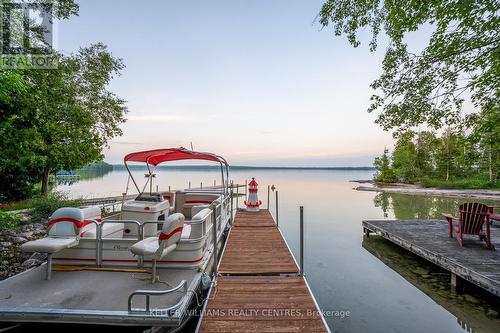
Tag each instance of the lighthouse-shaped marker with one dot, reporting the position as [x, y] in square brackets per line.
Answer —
[253, 202]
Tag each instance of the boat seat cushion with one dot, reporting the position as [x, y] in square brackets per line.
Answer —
[186, 231]
[107, 229]
[198, 208]
[148, 248]
[49, 244]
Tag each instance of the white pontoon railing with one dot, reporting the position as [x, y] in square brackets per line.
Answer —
[149, 293]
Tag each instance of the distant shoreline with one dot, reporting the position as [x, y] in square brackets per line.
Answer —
[243, 167]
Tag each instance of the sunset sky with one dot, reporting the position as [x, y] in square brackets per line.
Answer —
[258, 82]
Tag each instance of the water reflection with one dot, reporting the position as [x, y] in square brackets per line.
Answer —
[476, 310]
[407, 207]
[94, 171]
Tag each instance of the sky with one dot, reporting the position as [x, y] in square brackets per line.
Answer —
[258, 82]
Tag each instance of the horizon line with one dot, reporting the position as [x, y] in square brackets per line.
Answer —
[257, 167]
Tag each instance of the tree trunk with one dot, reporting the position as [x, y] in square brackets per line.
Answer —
[45, 181]
[490, 164]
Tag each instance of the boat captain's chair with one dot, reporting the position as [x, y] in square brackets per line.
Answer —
[158, 247]
[64, 229]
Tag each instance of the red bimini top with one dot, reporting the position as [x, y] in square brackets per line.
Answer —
[157, 156]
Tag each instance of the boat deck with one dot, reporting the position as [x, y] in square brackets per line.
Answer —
[429, 239]
[81, 293]
[260, 289]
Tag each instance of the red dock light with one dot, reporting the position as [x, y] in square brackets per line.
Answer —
[253, 202]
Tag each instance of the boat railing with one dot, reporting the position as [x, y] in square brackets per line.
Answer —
[221, 209]
[148, 293]
[100, 239]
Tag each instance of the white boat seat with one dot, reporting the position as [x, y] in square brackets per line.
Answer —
[198, 208]
[64, 229]
[149, 248]
[160, 246]
[186, 231]
[49, 244]
[115, 229]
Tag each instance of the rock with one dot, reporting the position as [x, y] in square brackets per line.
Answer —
[19, 240]
[28, 234]
[5, 244]
[32, 263]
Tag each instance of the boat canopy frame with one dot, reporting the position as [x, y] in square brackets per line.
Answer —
[157, 156]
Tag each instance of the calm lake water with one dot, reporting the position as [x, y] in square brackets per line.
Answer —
[369, 285]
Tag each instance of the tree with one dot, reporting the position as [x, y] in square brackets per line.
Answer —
[446, 155]
[426, 143]
[75, 113]
[486, 133]
[404, 158]
[427, 87]
[384, 171]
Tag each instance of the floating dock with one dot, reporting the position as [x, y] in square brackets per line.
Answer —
[259, 288]
[429, 239]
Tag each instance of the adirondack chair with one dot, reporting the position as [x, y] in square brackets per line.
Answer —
[493, 215]
[472, 217]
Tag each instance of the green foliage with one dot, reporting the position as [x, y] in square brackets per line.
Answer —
[61, 120]
[476, 182]
[8, 221]
[46, 205]
[384, 171]
[453, 160]
[58, 118]
[404, 158]
[427, 86]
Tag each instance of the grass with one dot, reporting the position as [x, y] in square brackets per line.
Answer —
[463, 183]
[44, 205]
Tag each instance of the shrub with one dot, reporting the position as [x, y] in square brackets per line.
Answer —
[8, 221]
[46, 205]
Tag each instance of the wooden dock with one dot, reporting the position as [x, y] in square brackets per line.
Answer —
[259, 288]
[429, 239]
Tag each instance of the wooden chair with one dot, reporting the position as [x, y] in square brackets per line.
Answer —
[472, 217]
[493, 215]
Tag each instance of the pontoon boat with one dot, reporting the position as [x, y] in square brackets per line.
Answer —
[145, 266]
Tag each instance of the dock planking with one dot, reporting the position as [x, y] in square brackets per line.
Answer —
[261, 304]
[429, 239]
[259, 289]
[256, 247]
[258, 219]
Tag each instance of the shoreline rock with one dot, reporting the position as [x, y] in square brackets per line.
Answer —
[12, 261]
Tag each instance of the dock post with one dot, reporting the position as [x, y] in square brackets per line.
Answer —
[246, 182]
[268, 193]
[237, 194]
[301, 240]
[189, 186]
[214, 235]
[277, 220]
[457, 283]
[231, 216]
